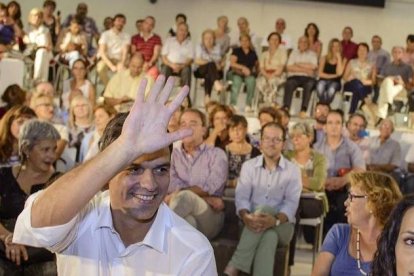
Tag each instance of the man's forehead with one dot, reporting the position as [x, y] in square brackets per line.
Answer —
[153, 159]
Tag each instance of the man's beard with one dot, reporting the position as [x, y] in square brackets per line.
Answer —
[321, 120]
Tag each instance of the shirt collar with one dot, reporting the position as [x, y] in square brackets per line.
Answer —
[260, 162]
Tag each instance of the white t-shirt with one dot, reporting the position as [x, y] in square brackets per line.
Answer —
[114, 43]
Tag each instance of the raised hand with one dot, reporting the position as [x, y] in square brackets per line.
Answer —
[145, 128]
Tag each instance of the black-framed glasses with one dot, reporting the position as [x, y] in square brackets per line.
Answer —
[352, 196]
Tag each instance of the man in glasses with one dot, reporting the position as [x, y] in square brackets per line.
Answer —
[267, 197]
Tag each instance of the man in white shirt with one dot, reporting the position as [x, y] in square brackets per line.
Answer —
[280, 26]
[177, 55]
[113, 49]
[126, 230]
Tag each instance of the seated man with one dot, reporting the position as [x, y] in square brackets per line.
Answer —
[267, 197]
[301, 68]
[356, 130]
[349, 48]
[398, 79]
[177, 55]
[280, 27]
[113, 49]
[198, 177]
[384, 152]
[149, 45]
[126, 230]
[378, 55]
[343, 156]
[122, 87]
[320, 114]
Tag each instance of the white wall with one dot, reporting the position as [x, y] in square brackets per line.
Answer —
[393, 22]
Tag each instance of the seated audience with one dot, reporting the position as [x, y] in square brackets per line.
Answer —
[301, 68]
[78, 82]
[331, 68]
[90, 143]
[244, 67]
[359, 77]
[356, 130]
[312, 33]
[80, 122]
[222, 34]
[122, 88]
[51, 21]
[409, 51]
[267, 197]
[272, 64]
[343, 156]
[349, 48]
[13, 95]
[88, 26]
[384, 151]
[198, 177]
[37, 148]
[149, 45]
[10, 126]
[320, 115]
[398, 79]
[113, 49]
[179, 18]
[219, 132]
[39, 42]
[74, 44]
[177, 55]
[377, 55]
[349, 249]
[239, 149]
[209, 64]
[393, 256]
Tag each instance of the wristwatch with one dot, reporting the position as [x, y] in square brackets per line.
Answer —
[277, 222]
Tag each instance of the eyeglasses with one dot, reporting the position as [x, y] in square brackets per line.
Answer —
[352, 196]
[269, 140]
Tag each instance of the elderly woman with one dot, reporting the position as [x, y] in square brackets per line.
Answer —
[209, 63]
[272, 64]
[37, 149]
[219, 132]
[10, 126]
[395, 245]
[349, 249]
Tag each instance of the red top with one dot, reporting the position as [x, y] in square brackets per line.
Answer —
[349, 49]
[146, 48]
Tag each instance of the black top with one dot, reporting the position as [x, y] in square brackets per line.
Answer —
[236, 161]
[330, 68]
[249, 60]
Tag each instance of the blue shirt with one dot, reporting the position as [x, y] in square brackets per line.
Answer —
[336, 242]
[279, 188]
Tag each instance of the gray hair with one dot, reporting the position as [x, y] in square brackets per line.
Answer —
[303, 128]
[34, 131]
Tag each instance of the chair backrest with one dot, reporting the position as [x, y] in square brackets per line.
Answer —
[11, 72]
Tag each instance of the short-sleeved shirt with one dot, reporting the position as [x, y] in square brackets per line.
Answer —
[380, 58]
[336, 242]
[349, 49]
[146, 46]
[409, 158]
[114, 42]
[214, 55]
[402, 69]
[39, 36]
[387, 153]
[361, 71]
[297, 56]
[177, 52]
[248, 59]
[273, 62]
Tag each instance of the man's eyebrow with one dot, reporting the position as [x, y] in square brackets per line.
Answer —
[139, 165]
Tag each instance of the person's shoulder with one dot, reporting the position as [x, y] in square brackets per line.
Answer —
[341, 230]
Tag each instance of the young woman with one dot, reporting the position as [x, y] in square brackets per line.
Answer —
[312, 33]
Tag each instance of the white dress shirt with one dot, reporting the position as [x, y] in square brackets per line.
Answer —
[114, 42]
[177, 52]
[89, 244]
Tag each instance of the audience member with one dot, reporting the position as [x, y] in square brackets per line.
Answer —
[356, 129]
[272, 65]
[40, 43]
[113, 49]
[222, 34]
[343, 156]
[301, 69]
[135, 159]
[219, 133]
[149, 45]
[10, 126]
[51, 21]
[384, 151]
[108, 23]
[239, 149]
[7, 27]
[122, 88]
[268, 114]
[393, 256]
[359, 77]
[244, 66]
[377, 55]
[267, 197]
[409, 51]
[74, 43]
[138, 25]
[331, 68]
[321, 113]
[349, 249]
[13, 95]
[14, 13]
[349, 48]
[312, 33]
[179, 18]
[177, 55]
[244, 29]
[209, 64]
[286, 41]
[398, 79]
[37, 145]
[195, 192]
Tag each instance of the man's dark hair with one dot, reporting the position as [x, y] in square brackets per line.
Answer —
[238, 120]
[183, 16]
[270, 111]
[198, 112]
[275, 125]
[323, 104]
[119, 15]
[410, 38]
[112, 130]
[49, 3]
[338, 112]
[360, 115]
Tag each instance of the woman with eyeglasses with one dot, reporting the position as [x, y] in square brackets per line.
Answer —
[349, 249]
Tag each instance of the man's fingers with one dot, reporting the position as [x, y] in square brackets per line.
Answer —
[166, 91]
[178, 100]
[179, 134]
[156, 89]
[24, 253]
[141, 91]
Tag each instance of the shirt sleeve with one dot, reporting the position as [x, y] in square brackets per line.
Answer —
[166, 48]
[396, 156]
[190, 51]
[103, 39]
[175, 181]
[218, 173]
[201, 263]
[198, 51]
[292, 58]
[409, 158]
[335, 239]
[244, 188]
[357, 158]
[292, 194]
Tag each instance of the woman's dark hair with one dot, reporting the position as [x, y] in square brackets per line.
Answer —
[14, 95]
[18, 14]
[51, 3]
[276, 34]
[363, 44]
[183, 16]
[223, 108]
[237, 120]
[271, 111]
[384, 263]
[316, 28]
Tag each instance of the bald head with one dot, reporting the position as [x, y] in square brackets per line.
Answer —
[135, 65]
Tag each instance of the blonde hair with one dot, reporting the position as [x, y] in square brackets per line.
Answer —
[330, 55]
[381, 189]
[76, 100]
[208, 31]
[33, 12]
[302, 128]
[34, 100]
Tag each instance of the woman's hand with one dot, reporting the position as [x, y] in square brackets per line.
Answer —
[15, 252]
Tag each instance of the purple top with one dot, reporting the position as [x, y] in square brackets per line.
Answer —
[207, 168]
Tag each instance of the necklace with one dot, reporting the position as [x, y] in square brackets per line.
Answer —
[359, 256]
